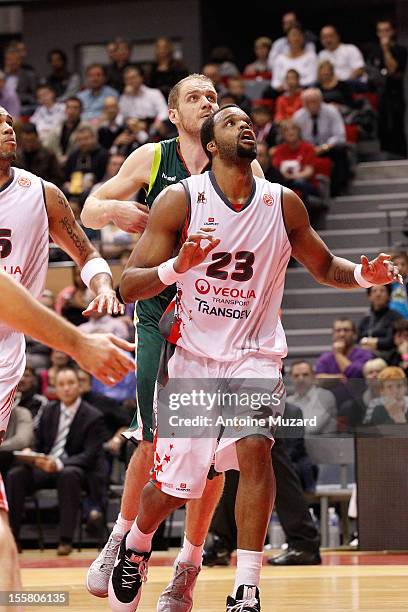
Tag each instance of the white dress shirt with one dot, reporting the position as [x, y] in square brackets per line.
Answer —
[345, 59]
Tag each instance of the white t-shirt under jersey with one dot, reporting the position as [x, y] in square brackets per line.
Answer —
[228, 306]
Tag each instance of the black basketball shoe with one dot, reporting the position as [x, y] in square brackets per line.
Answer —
[128, 575]
[246, 600]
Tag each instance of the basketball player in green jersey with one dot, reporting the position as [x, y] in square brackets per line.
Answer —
[154, 166]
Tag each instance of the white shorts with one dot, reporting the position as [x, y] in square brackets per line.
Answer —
[181, 464]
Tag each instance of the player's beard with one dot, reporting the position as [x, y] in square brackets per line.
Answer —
[8, 156]
[246, 152]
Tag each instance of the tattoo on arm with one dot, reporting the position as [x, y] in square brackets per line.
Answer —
[344, 277]
[62, 200]
[79, 243]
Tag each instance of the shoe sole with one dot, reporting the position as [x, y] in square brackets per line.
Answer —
[100, 595]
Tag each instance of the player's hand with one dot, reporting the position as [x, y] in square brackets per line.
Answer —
[106, 302]
[100, 355]
[129, 216]
[192, 253]
[380, 270]
[46, 464]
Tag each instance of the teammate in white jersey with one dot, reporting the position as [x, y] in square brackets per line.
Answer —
[97, 353]
[250, 231]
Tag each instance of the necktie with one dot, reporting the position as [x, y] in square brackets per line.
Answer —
[315, 129]
[59, 444]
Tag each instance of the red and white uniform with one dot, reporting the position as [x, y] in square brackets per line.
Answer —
[24, 240]
[227, 323]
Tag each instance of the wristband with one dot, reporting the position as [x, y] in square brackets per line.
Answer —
[359, 278]
[92, 267]
[167, 273]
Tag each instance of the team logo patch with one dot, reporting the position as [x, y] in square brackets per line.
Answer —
[201, 199]
[24, 182]
[269, 200]
[202, 286]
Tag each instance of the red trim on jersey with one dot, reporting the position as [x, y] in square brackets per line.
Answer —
[9, 400]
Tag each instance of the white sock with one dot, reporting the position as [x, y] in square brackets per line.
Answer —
[121, 526]
[249, 564]
[139, 541]
[190, 553]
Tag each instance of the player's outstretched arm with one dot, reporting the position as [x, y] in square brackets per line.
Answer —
[98, 354]
[109, 204]
[310, 250]
[66, 232]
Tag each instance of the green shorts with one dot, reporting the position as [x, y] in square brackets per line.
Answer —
[149, 343]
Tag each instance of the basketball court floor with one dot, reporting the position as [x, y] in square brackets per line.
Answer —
[374, 582]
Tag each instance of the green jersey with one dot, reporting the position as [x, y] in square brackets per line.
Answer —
[168, 168]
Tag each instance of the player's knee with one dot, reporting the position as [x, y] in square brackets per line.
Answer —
[254, 453]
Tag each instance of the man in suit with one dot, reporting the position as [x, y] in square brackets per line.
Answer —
[70, 434]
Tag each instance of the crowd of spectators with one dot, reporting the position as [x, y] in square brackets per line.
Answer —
[303, 92]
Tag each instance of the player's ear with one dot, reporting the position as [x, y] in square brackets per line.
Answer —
[173, 115]
[211, 147]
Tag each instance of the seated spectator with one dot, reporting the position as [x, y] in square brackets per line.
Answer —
[70, 434]
[141, 102]
[119, 52]
[166, 70]
[265, 129]
[312, 399]
[346, 359]
[212, 72]
[347, 60]
[399, 293]
[112, 123]
[262, 47]
[76, 204]
[297, 58]
[333, 90]
[28, 395]
[72, 300]
[264, 159]
[19, 435]
[296, 159]
[281, 45]
[20, 80]
[352, 411]
[48, 299]
[386, 64]
[8, 98]
[224, 58]
[65, 84]
[133, 136]
[116, 418]
[323, 125]
[236, 89]
[62, 141]
[49, 114]
[392, 405]
[290, 101]
[399, 356]
[59, 360]
[115, 161]
[34, 157]
[96, 91]
[87, 163]
[375, 329]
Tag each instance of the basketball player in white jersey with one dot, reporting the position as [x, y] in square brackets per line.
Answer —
[93, 352]
[228, 327]
[30, 211]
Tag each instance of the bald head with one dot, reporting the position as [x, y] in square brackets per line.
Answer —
[312, 100]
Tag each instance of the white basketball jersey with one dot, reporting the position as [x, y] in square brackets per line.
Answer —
[24, 244]
[228, 306]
